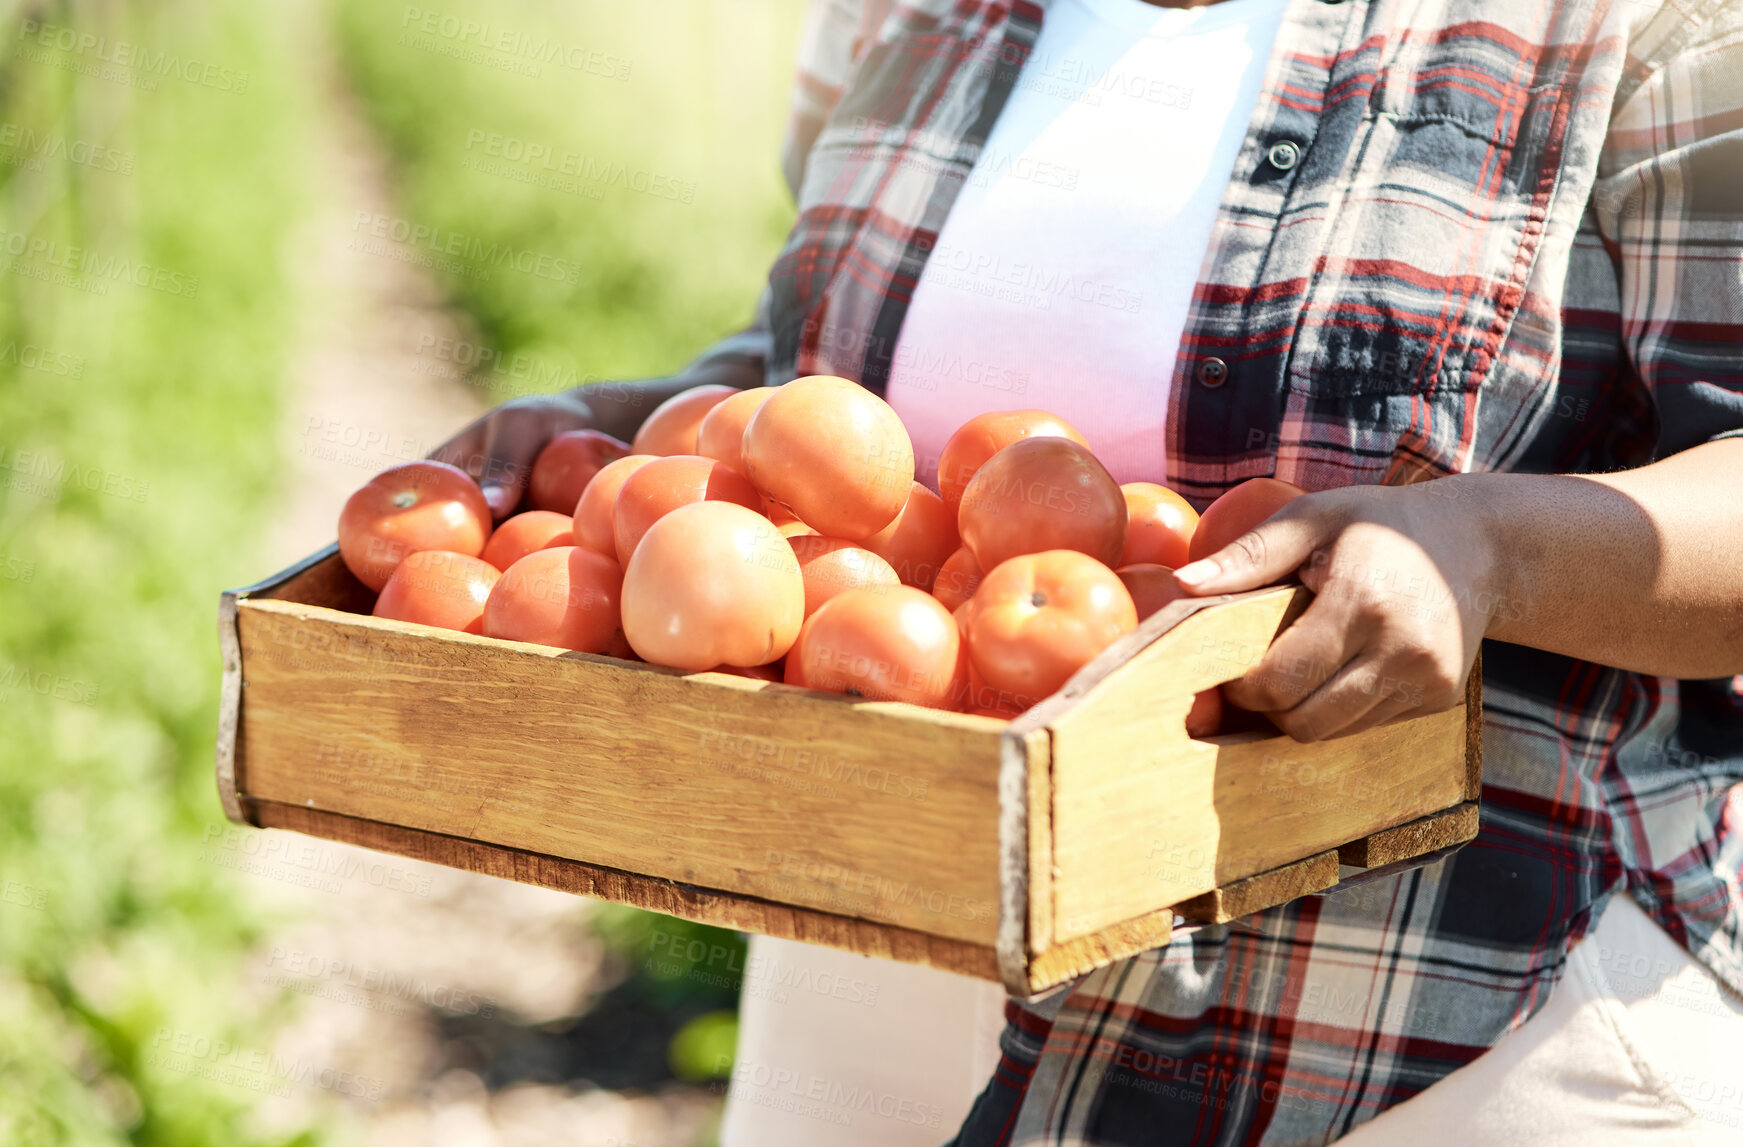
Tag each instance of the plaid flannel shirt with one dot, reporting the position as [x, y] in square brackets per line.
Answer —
[1513, 241]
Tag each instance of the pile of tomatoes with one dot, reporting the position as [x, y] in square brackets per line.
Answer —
[779, 533]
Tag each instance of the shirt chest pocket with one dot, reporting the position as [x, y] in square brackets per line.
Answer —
[1434, 220]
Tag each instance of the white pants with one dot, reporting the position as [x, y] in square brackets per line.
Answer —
[839, 1050]
[1638, 1044]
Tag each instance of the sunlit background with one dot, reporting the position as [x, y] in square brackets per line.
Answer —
[250, 253]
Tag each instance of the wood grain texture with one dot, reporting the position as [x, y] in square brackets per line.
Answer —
[1265, 890]
[1417, 838]
[1474, 730]
[1144, 817]
[1073, 958]
[881, 811]
[704, 905]
[1040, 841]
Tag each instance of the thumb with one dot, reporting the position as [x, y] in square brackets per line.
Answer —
[1264, 555]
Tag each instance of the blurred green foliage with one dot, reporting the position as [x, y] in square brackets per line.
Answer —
[643, 155]
[143, 338]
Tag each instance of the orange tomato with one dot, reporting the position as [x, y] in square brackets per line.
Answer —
[919, 541]
[663, 485]
[436, 587]
[893, 644]
[958, 578]
[1043, 494]
[833, 453]
[1039, 618]
[525, 533]
[401, 511]
[984, 435]
[712, 583]
[594, 525]
[671, 427]
[1206, 715]
[831, 565]
[1238, 511]
[1159, 525]
[565, 466]
[1151, 587]
[977, 697]
[565, 596]
[720, 435]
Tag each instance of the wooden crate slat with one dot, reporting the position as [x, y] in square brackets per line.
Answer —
[1416, 838]
[1144, 817]
[703, 905]
[1264, 890]
[723, 782]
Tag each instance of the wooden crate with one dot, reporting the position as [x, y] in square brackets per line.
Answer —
[1028, 851]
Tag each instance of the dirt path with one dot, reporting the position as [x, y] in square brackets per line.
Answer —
[395, 958]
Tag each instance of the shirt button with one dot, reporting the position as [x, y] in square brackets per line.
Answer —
[1284, 155]
[1212, 373]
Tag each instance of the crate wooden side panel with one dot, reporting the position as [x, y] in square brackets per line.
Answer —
[706, 906]
[1144, 817]
[881, 812]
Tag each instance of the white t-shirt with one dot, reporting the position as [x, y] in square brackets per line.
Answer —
[1063, 273]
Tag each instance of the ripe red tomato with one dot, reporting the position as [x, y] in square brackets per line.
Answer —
[435, 587]
[985, 435]
[721, 433]
[1043, 494]
[663, 485]
[917, 543]
[1159, 526]
[526, 532]
[1206, 715]
[565, 596]
[958, 578]
[780, 515]
[1039, 618]
[418, 506]
[831, 565]
[595, 527]
[1238, 511]
[566, 465]
[832, 452]
[671, 427]
[1151, 587]
[893, 644]
[712, 583]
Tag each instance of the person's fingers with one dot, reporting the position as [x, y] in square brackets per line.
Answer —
[1345, 699]
[1392, 707]
[1328, 634]
[1268, 553]
[499, 450]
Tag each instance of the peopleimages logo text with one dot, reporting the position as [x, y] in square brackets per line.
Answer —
[468, 247]
[135, 57]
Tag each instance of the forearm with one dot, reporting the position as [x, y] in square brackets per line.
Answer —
[1641, 569]
[620, 408]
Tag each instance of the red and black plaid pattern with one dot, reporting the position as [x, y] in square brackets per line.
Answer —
[1511, 239]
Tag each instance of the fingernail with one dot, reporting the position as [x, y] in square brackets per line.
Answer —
[1193, 573]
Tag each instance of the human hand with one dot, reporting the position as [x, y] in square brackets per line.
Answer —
[498, 449]
[1403, 581]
